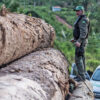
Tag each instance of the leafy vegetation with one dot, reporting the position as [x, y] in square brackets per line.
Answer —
[42, 9]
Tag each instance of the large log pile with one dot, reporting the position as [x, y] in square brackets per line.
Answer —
[41, 75]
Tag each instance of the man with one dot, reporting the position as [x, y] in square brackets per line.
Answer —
[80, 34]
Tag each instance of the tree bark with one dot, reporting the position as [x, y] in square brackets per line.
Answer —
[21, 34]
[45, 72]
[83, 91]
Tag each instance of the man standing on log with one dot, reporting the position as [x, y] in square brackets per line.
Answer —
[80, 34]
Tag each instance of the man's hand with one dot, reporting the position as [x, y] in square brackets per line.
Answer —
[77, 44]
[72, 40]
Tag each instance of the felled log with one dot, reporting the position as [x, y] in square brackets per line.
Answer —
[47, 69]
[21, 34]
[84, 91]
[13, 87]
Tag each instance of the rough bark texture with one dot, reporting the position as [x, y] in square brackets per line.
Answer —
[21, 34]
[47, 68]
[42, 75]
[13, 87]
[83, 91]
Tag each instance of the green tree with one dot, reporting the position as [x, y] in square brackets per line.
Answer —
[11, 4]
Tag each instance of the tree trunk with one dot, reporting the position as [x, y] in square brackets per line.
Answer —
[21, 34]
[41, 74]
[83, 91]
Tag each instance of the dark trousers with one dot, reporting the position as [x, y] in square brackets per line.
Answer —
[80, 61]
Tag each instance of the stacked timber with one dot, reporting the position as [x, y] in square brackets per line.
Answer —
[39, 75]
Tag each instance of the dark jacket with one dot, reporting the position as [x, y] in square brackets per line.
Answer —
[81, 29]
